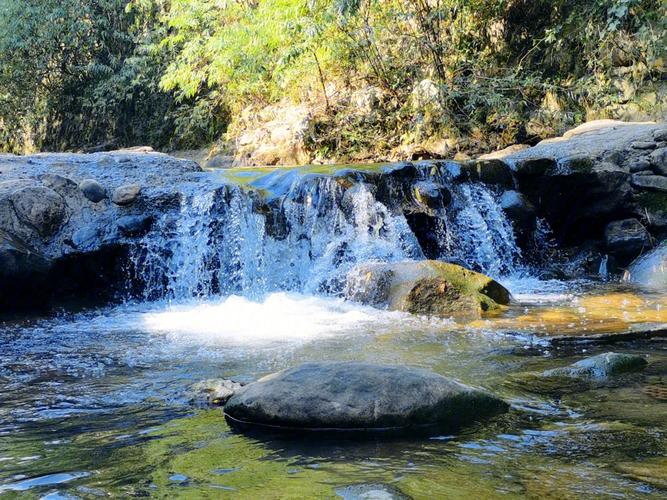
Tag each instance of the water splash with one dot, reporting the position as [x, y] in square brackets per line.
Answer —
[479, 234]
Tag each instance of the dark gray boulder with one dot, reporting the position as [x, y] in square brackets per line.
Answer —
[356, 396]
[626, 239]
[92, 190]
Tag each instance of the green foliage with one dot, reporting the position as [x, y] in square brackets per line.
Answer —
[179, 72]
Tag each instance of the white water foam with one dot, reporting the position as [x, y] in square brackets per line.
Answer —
[279, 317]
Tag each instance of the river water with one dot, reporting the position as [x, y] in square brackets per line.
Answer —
[98, 402]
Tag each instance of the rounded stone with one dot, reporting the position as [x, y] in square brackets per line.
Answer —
[92, 190]
[40, 207]
[125, 195]
[353, 396]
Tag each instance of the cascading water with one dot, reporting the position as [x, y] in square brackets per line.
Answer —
[479, 235]
[228, 239]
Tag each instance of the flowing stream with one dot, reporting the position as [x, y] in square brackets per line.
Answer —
[98, 402]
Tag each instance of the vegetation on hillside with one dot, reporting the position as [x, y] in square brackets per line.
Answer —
[378, 74]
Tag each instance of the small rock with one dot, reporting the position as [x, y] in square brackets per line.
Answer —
[626, 238]
[643, 145]
[640, 166]
[650, 182]
[92, 190]
[658, 159]
[216, 391]
[645, 172]
[135, 225]
[125, 195]
[603, 365]
[660, 135]
[359, 397]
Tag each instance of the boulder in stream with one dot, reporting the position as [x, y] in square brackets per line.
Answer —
[353, 396]
[428, 287]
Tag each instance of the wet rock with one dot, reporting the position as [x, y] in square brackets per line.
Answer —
[86, 237]
[519, 209]
[643, 145]
[359, 397]
[640, 165]
[660, 135]
[651, 269]
[650, 182]
[626, 239]
[489, 172]
[603, 365]
[429, 287]
[431, 195]
[40, 207]
[92, 190]
[369, 285]
[658, 160]
[126, 195]
[22, 271]
[216, 391]
[135, 225]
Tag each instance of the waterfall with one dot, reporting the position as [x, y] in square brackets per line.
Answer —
[479, 235]
[231, 239]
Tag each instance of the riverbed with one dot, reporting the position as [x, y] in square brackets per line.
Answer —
[98, 402]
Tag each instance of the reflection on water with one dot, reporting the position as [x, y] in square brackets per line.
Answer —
[97, 403]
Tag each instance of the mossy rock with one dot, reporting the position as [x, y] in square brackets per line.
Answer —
[427, 287]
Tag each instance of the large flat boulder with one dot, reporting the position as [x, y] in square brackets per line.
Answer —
[352, 396]
[429, 287]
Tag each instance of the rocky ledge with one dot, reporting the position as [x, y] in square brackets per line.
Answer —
[359, 397]
[65, 220]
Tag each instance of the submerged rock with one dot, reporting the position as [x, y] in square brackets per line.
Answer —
[370, 491]
[356, 396]
[429, 287]
[588, 373]
[603, 365]
[216, 391]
